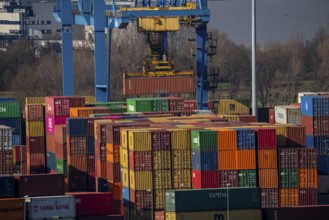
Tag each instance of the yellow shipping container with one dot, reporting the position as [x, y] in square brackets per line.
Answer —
[35, 100]
[180, 139]
[139, 140]
[232, 107]
[161, 160]
[98, 123]
[182, 179]
[162, 179]
[140, 180]
[158, 23]
[250, 214]
[159, 199]
[124, 157]
[124, 135]
[89, 99]
[35, 129]
[125, 177]
[181, 159]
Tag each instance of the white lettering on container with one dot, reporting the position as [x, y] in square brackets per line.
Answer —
[217, 195]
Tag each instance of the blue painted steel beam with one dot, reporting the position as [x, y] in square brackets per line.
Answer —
[109, 37]
[67, 48]
[201, 67]
[101, 84]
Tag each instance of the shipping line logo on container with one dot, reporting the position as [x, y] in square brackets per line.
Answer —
[196, 140]
[37, 208]
[218, 195]
[50, 123]
[49, 107]
[131, 108]
[3, 109]
[306, 106]
[11, 209]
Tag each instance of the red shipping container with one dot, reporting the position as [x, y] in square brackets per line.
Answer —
[271, 116]
[228, 177]
[78, 145]
[316, 126]
[35, 144]
[142, 199]
[91, 163]
[34, 112]
[51, 121]
[307, 197]
[296, 136]
[60, 134]
[60, 105]
[265, 138]
[190, 105]
[90, 127]
[61, 151]
[160, 140]
[79, 162]
[288, 158]
[77, 101]
[140, 160]
[93, 203]
[160, 215]
[113, 171]
[270, 198]
[175, 103]
[117, 210]
[205, 179]
[6, 162]
[307, 158]
[50, 143]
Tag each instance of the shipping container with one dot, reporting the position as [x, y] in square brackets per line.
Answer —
[35, 128]
[181, 159]
[316, 126]
[205, 160]
[295, 136]
[228, 178]
[323, 164]
[288, 157]
[314, 106]
[140, 180]
[268, 178]
[204, 140]
[40, 185]
[7, 99]
[139, 140]
[300, 213]
[141, 199]
[307, 158]
[289, 197]
[10, 109]
[76, 127]
[253, 214]
[93, 204]
[286, 114]
[34, 112]
[245, 138]
[308, 178]
[267, 158]
[289, 177]
[51, 121]
[228, 159]
[205, 179]
[182, 179]
[212, 199]
[62, 207]
[232, 107]
[227, 139]
[307, 197]
[246, 159]
[247, 178]
[155, 85]
[270, 198]
[301, 94]
[7, 187]
[161, 160]
[180, 139]
[14, 123]
[12, 209]
[320, 143]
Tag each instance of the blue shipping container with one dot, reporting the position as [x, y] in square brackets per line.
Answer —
[51, 161]
[17, 139]
[90, 144]
[245, 138]
[205, 160]
[7, 187]
[102, 185]
[7, 99]
[76, 127]
[323, 164]
[321, 143]
[314, 106]
[15, 123]
[126, 197]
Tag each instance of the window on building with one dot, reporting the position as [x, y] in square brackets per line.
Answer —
[33, 22]
[48, 22]
[58, 30]
[42, 22]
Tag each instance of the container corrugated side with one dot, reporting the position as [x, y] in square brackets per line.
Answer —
[228, 178]
[227, 160]
[205, 179]
[139, 140]
[270, 198]
[7, 186]
[246, 159]
[161, 160]
[162, 179]
[12, 209]
[35, 128]
[212, 199]
[51, 207]
[289, 178]
[247, 178]
[266, 138]
[232, 107]
[34, 112]
[267, 158]
[268, 178]
[227, 139]
[35, 100]
[181, 159]
[10, 109]
[140, 180]
[289, 197]
[308, 178]
[204, 140]
[182, 179]
[180, 139]
[307, 197]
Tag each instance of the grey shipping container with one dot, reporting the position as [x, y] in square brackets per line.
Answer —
[51, 207]
[212, 199]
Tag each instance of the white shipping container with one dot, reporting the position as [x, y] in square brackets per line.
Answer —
[286, 114]
[51, 207]
[300, 94]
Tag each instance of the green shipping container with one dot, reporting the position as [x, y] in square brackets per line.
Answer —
[204, 140]
[159, 104]
[139, 105]
[61, 167]
[10, 109]
[247, 178]
[109, 104]
[289, 178]
[212, 199]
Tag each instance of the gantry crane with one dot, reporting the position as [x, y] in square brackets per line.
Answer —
[103, 15]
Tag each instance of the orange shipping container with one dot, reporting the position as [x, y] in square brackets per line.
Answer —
[289, 197]
[227, 139]
[246, 159]
[12, 209]
[308, 178]
[113, 153]
[267, 159]
[116, 188]
[227, 160]
[268, 178]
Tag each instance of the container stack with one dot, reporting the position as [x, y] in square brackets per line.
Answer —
[267, 166]
[10, 115]
[286, 114]
[315, 117]
[6, 150]
[57, 110]
[156, 104]
[204, 159]
[20, 164]
[35, 138]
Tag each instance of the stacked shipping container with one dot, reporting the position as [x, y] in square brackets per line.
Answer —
[6, 150]
[35, 137]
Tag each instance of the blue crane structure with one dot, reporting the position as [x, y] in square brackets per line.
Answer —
[102, 15]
